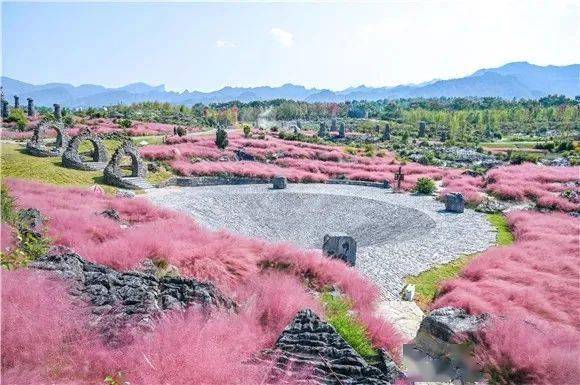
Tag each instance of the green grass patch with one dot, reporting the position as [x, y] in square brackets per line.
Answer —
[157, 177]
[504, 234]
[337, 310]
[427, 283]
[17, 164]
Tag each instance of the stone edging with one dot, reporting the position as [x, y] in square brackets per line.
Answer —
[198, 181]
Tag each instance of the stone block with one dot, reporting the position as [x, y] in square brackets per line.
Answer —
[279, 182]
[454, 202]
[340, 246]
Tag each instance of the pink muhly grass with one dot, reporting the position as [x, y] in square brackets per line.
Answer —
[533, 281]
[8, 238]
[231, 262]
[45, 338]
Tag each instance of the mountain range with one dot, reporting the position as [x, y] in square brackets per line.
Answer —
[512, 80]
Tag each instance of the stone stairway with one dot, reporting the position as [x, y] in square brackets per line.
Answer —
[138, 183]
[96, 166]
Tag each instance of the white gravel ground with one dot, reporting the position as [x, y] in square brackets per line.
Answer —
[397, 234]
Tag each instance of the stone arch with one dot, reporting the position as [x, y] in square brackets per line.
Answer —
[36, 146]
[72, 159]
[113, 174]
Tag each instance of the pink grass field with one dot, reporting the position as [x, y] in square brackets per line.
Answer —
[207, 352]
[100, 126]
[303, 162]
[532, 287]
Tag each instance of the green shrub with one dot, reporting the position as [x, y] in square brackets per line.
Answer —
[369, 150]
[221, 138]
[350, 150]
[17, 116]
[125, 123]
[519, 157]
[247, 130]
[68, 121]
[8, 205]
[425, 186]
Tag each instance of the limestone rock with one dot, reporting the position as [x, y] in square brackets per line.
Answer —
[128, 299]
[311, 347]
[31, 221]
[444, 327]
[491, 206]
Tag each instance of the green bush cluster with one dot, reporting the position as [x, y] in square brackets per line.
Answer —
[19, 117]
[425, 186]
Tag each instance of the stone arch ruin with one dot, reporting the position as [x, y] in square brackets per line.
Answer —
[71, 157]
[114, 175]
[36, 146]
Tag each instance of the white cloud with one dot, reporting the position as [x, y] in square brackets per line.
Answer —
[283, 37]
[224, 44]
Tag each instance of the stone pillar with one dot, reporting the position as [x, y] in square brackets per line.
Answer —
[30, 107]
[422, 129]
[57, 114]
[333, 125]
[341, 131]
[387, 132]
[322, 129]
[5, 109]
[443, 135]
[16, 101]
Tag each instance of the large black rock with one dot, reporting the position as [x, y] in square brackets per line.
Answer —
[311, 350]
[126, 299]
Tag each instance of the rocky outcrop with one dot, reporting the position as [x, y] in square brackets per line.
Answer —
[445, 328]
[311, 350]
[31, 221]
[491, 206]
[126, 299]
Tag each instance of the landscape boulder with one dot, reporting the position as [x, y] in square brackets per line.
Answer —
[279, 182]
[454, 202]
[121, 300]
[311, 347]
[31, 221]
[242, 155]
[445, 328]
[491, 206]
[340, 246]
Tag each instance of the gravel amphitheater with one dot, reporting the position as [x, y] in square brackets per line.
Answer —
[397, 234]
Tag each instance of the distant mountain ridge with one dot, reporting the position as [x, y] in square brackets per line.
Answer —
[512, 80]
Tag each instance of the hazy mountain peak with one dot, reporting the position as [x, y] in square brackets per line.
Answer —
[512, 80]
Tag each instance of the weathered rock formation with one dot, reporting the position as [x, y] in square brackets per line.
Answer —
[311, 350]
[128, 299]
[36, 146]
[72, 159]
[114, 175]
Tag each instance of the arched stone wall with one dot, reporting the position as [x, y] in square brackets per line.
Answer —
[72, 159]
[36, 146]
[113, 174]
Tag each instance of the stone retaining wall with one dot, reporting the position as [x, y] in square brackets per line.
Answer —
[198, 181]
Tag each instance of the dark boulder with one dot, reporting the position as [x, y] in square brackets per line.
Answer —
[31, 221]
[311, 347]
[123, 300]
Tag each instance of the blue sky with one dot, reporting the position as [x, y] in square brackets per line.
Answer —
[205, 46]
